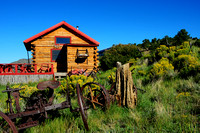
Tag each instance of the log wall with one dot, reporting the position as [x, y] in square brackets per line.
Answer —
[41, 50]
[88, 63]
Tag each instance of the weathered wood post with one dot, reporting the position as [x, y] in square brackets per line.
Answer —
[126, 92]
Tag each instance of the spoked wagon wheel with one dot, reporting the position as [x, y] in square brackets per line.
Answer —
[6, 125]
[82, 106]
[96, 95]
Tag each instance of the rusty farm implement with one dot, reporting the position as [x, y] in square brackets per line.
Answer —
[39, 105]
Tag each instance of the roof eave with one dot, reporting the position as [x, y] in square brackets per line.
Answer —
[58, 25]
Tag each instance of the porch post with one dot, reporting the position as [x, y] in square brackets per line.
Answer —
[28, 57]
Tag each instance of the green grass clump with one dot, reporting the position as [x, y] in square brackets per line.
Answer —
[166, 108]
[168, 105]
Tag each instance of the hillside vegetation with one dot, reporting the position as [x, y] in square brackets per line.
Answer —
[168, 70]
[167, 73]
[21, 61]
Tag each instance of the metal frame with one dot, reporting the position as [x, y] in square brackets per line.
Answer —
[41, 107]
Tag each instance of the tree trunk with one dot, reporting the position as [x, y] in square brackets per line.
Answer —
[126, 92]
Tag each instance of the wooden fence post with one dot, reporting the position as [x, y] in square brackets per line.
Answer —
[126, 93]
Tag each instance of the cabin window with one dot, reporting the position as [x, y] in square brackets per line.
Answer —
[55, 55]
[62, 40]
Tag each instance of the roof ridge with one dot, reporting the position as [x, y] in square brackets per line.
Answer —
[58, 25]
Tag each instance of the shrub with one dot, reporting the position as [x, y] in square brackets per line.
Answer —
[162, 68]
[187, 65]
[121, 53]
[183, 49]
[171, 54]
[161, 51]
[26, 91]
[197, 43]
[73, 80]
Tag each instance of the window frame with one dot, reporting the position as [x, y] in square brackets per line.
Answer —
[52, 54]
[62, 37]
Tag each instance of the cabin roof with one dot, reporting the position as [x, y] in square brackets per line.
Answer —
[63, 23]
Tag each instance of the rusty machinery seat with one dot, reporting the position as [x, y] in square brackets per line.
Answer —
[40, 98]
[48, 84]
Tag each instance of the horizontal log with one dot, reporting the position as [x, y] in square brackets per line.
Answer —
[43, 54]
[84, 50]
[61, 32]
[81, 52]
[45, 44]
[79, 48]
[81, 67]
[42, 60]
[75, 57]
[73, 61]
[82, 64]
[44, 48]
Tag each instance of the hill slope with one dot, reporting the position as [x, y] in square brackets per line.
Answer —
[21, 61]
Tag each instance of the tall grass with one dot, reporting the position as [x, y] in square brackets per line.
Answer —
[166, 106]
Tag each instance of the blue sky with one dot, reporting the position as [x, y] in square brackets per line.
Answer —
[107, 21]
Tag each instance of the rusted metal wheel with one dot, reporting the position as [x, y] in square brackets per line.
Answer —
[111, 91]
[6, 124]
[96, 95]
[82, 106]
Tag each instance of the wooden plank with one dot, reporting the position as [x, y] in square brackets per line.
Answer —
[78, 64]
[80, 67]
[80, 48]
[42, 60]
[75, 51]
[60, 32]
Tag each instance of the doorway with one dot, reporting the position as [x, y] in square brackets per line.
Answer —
[62, 59]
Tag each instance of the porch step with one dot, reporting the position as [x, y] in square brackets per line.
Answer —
[60, 75]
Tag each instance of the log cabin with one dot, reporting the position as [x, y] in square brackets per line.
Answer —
[65, 47]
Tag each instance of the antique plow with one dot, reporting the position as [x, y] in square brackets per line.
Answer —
[38, 105]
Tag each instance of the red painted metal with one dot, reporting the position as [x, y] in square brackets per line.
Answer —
[26, 69]
[63, 23]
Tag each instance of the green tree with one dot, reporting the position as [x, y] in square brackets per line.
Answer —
[146, 44]
[197, 43]
[154, 44]
[121, 53]
[181, 36]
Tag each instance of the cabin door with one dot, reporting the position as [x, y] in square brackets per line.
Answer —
[62, 60]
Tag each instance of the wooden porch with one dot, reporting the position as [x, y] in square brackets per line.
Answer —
[24, 73]
[26, 69]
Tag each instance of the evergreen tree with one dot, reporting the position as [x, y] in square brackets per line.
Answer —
[181, 36]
